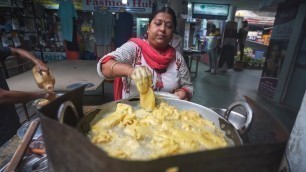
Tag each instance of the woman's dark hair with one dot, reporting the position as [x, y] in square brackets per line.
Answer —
[167, 10]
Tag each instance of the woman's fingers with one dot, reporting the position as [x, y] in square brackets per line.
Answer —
[143, 78]
[149, 74]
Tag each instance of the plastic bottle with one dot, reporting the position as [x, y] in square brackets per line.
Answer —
[45, 80]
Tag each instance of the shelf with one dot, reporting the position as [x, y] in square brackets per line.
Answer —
[256, 42]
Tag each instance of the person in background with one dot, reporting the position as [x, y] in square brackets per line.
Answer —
[9, 120]
[149, 59]
[213, 45]
[242, 35]
[176, 43]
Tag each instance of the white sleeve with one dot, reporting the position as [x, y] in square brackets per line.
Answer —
[124, 54]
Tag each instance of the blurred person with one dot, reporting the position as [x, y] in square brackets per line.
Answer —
[9, 122]
[151, 59]
[213, 45]
[176, 43]
[242, 35]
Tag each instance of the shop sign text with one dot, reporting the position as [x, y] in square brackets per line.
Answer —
[143, 6]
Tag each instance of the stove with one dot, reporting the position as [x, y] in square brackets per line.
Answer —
[35, 158]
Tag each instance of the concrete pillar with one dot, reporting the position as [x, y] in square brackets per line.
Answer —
[176, 5]
[231, 13]
[294, 158]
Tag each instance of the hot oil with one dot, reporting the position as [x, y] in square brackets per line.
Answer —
[142, 148]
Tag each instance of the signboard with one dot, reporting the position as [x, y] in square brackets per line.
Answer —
[210, 11]
[269, 3]
[277, 48]
[8, 3]
[133, 6]
[54, 4]
[268, 21]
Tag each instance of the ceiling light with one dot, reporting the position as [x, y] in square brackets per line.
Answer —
[189, 5]
[124, 1]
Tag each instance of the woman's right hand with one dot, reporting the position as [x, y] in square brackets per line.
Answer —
[143, 78]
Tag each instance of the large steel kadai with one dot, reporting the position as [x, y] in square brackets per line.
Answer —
[65, 127]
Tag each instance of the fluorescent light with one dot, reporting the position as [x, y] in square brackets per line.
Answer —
[189, 5]
[124, 1]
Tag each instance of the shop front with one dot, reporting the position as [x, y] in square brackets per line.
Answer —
[82, 29]
[200, 18]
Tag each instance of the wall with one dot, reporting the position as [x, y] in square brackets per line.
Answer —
[294, 159]
[285, 84]
[291, 85]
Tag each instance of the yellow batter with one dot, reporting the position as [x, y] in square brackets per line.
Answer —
[142, 135]
[147, 100]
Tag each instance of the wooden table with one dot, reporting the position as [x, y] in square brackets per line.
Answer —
[189, 56]
[66, 73]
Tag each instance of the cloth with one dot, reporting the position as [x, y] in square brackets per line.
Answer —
[175, 76]
[89, 42]
[227, 56]
[102, 50]
[9, 122]
[123, 20]
[241, 49]
[103, 25]
[242, 35]
[73, 45]
[153, 58]
[66, 13]
[212, 49]
[213, 39]
[230, 34]
[213, 59]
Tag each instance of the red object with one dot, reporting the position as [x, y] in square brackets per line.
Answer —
[205, 58]
[72, 55]
[118, 85]
[153, 58]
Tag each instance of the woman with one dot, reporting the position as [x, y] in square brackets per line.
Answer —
[152, 59]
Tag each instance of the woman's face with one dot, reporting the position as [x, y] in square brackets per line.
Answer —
[160, 30]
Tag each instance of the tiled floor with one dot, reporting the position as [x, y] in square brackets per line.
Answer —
[219, 90]
[222, 89]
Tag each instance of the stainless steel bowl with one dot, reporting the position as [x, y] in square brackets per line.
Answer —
[220, 122]
[36, 103]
